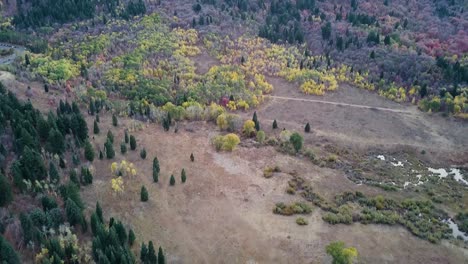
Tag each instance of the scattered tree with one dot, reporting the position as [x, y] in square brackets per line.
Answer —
[275, 124]
[110, 153]
[115, 122]
[183, 176]
[96, 127]
[132, 142]
[172, 180]
[143, 194]
[192, 158]
[123, 148]
[297, 141]
[89, 151]
[307, 128]
[6, 195]
[143, 153]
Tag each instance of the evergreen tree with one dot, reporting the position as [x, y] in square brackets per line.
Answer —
[131, 237]
[151, 259]
[99, 213]
[110, 153]
[372, 55]
[257, 126]
[101, 156]
[307, 128]
[46, 88]
[192, 158]
[62, 163]
[74, 177]
[143, 153]
[74, 214]
[26, 59]
[53, 173]
[172, 180]
[126, 137]
[123, 148]
[297, 141]
[89, 151]
[6, 195]
[96, 127]
[156, 169]
[92, 107]
[161, 258]
[132, 142]
[115, 122]
[423, 91]
[110, 136]
[275, 125]
[43, 128]
[97, 119]
[143, 253]
[86, 176]
[55, 142]
[254, 117]
[7, 253]
[143, 194]
[183, 176]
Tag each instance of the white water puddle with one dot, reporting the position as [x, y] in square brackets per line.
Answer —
[442, 173]
[456, 232]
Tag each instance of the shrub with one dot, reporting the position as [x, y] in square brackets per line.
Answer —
[156, 169]
[192, 158]
[132, 142]
[126, 137]
[301, 221]
[297, 141]
[227, 142]
[307, 128]
[290, 190]
[295, 208]
[310, 154]
[143, 153]
[341, 254]
[261, 136]
[249, 128]
[143, 194]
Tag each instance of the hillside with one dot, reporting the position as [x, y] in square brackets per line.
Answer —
[220, 131]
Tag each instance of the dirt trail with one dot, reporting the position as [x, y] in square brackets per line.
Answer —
[340, 104]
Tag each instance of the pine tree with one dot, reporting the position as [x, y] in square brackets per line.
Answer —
[143, 253]
[99, 213]
[143, 153]
[6, 195]
[192, 158]
[132, 142]
[152, 259]
[53, 173]
[74, 177]
[257, 126]
[254, 118]
[143, 194]
[26, 59]
[275, 125]
[96, 127]
[86, 176]
[110, 153]
[62, 163]
[126, 137]
[156, 169]
[131, 237]
[161, 258]
[123, 148]
[307, 128]
[115, 122]
[92, 107]
[89, 151]
[7, 253]
[172, 180]
[97, 119]
[55, 142]
[110, 137]
[183, 176]
[46, 88]
[101, 156]
[74, 214]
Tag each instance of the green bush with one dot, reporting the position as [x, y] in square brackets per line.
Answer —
[143, 194]
[301, 221]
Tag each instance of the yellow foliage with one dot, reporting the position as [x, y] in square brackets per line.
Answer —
[311, 87]
[231, 106]
[249, 127]
[222, 122]
[241, 104]
[117, 185]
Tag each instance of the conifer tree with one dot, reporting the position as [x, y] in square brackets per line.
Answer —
[123, 148]
[143, 194]
[183, 176]
[156, 169]
[62, 163]
[161, 258]
[96, 127]
[307, 128]
[172, 180]
[97, 119]
[192, 158]
[6, 195]
[110, 137]
[55, 142]
[46, 88]
[143, 253]
[99, 213]
[53, 173]
[126, 137]
[110, 153]
[254, 118]
[92, 107]
[101, 156]
[131, 237]
[115, 122]
[152, 259]
[143, 153]
[132, 142]
[89, 151]
[275, 124]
